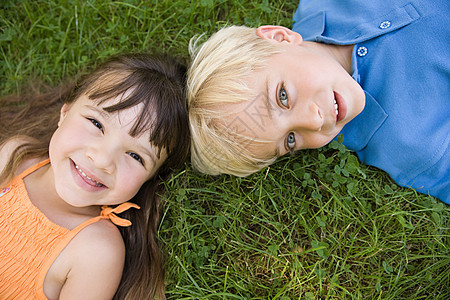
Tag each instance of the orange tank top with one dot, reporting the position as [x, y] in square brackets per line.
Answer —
[29, 242]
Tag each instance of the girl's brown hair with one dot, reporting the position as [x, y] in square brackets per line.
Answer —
[158, 82]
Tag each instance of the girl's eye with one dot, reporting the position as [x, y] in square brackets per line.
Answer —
[96, 123]
[283, 96]
[136, 157]
[290, 141]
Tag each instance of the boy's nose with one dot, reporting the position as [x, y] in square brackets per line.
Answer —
[309, 118]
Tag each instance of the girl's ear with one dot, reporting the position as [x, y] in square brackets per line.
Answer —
[64, 110]
[279, 34]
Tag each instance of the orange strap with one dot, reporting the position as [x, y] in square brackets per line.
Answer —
[33, 168]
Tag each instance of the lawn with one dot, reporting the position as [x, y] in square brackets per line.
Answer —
[317, 225]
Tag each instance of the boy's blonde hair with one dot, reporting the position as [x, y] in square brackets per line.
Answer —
[216, 78]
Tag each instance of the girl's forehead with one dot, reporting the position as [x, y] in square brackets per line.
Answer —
[114, 99]
[126, 117]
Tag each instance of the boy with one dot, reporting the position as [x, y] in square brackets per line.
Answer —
[376, 72]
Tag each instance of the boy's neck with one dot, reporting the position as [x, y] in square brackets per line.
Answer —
[341, 53]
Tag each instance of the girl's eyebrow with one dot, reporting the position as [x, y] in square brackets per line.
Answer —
[140, 146]
[98, 110]
[147, 152]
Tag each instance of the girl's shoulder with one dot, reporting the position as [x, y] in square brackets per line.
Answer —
[99, 245]
[92, 263]
[102, 235]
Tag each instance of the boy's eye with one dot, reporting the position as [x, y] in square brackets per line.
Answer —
[290, 141]
[283, 96]
[136, 157]
[96, 123]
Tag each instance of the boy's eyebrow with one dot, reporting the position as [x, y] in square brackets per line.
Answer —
[276, 153]
[267, 101]
[268, 104]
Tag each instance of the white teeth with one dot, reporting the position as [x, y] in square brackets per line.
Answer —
[336, 107]
[84, 175]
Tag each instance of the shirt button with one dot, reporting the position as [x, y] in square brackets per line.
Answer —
[385, 24]
[362, 51]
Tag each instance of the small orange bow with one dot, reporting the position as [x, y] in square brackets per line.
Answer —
[110, 213]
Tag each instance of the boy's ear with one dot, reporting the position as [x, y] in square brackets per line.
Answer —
[279, 34]
[62, 114]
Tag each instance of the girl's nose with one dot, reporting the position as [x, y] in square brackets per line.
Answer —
[102, 157]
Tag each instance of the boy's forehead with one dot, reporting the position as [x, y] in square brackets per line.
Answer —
[259, 109]
[248, 121]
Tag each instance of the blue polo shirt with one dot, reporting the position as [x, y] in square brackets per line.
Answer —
[401, 58]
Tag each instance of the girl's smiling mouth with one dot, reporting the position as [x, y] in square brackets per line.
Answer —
[88, 180]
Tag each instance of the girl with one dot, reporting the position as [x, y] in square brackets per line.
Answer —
[73, 160]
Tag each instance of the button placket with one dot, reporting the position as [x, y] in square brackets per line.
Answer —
[385, 25]
[361, 51]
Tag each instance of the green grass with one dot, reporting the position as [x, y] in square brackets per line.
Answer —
[317, 225]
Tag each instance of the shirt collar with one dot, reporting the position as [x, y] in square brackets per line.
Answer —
[312, 27]
[344, 32]
[358, 132]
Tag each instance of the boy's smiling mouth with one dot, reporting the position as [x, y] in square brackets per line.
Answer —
[339, 107]
[336, 106]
